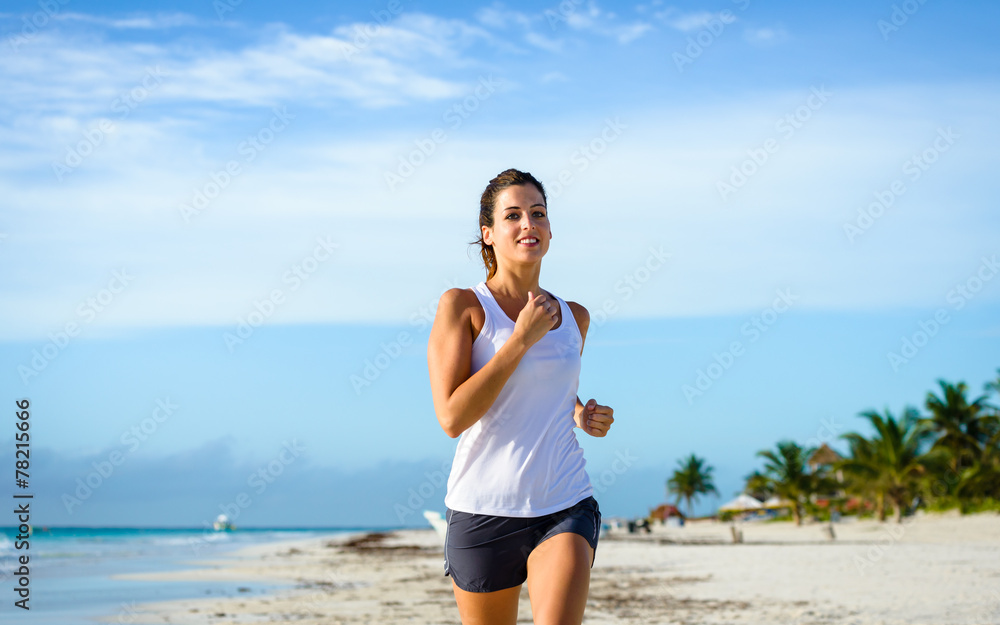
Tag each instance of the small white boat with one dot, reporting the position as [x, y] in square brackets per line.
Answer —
[222, 524]
[437, 521]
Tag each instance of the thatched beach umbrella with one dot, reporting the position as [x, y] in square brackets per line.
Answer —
[776, 503]
[740, 504]
[824, 456]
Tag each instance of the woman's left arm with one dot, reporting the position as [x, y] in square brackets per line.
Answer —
[592, 418]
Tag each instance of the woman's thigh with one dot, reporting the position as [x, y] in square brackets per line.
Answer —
[487, 608]
[490, 557]
[559, 579]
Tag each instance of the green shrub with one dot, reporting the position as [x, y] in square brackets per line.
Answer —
[983, 505]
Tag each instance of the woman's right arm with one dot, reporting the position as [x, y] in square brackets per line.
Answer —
[460, 400]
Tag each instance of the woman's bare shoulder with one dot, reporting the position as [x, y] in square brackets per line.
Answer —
[463, 305]
[459, 300]
[581, 314]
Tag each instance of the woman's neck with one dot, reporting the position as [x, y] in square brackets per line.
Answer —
[513, 283]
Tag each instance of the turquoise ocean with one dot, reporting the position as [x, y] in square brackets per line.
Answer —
[71, 569]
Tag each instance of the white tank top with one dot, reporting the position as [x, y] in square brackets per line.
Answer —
[522, 459]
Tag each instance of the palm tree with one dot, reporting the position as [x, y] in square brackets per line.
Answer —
[993, 386]
[963, 427]
[978, 475]
[691, 479]
[758, 486]
[788, 476]
[891, 462]
[862, 474]
[989, 467]
[991, 449]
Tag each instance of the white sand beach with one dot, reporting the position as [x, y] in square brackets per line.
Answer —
[932, 569]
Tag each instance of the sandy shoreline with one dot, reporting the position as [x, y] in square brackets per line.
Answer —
[932, 569]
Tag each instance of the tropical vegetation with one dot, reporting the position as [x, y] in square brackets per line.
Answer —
[691, 479]
[946, 457]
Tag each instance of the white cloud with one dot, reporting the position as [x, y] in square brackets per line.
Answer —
[655, 185]
[765, 36]
[139, 22]
[499, 17]
[543, 42]
[553, 77]
[577, 15]
[631, 32]
[593, 19]
[687, 22]
[403, 62]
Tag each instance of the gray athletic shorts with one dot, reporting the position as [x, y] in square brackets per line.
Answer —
[484, 553]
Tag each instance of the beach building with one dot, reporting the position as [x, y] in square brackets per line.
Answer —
[826, 461]
[666, 513]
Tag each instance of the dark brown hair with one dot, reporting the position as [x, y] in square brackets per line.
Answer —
[487, 205]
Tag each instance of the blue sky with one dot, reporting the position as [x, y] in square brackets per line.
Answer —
[239, 212]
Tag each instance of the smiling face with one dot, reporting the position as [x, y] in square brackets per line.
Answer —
[521, 230]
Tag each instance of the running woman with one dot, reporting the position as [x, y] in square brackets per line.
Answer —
[504, 362]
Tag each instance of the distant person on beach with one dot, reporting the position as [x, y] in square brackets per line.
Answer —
[504, 360]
